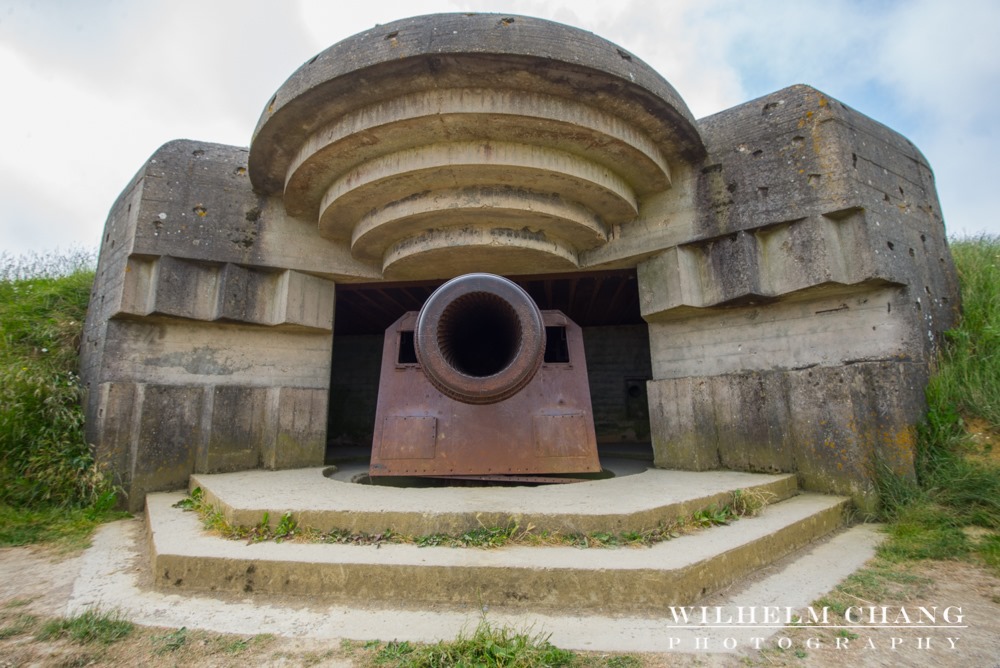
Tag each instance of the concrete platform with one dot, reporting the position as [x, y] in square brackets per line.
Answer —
[114, 576]
[637, 501]
[625, 580]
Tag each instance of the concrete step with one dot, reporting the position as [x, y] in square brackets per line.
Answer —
[605, 581]
[638, 501]
[114, 575]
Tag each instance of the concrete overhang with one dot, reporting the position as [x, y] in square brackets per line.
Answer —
[438, 143]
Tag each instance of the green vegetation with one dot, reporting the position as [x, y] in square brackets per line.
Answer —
[743, 503]
[968, 380]
[95, 638]
[487, 646]
[89, 627]
[105, 638]
[17, 624]
[952, 509]
[881, 580]
[171, 642]
[50, 488]
[68, 527]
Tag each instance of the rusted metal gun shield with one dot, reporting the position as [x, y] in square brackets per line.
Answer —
[505, 300]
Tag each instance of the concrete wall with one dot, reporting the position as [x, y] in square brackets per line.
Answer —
[795, 331]
[618, 368]
[206, 347]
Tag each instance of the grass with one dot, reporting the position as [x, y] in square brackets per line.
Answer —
[488, 645]
[958, 474]
[50, 488]
[66, 528]
[88, 627]
[54, 264]
[880, 580]
[742, 503]
[968, 379]
[171, 642]
[20, 624]
[106, 638]
[101, 638]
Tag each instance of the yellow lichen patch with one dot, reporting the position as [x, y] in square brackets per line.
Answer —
[986, 441]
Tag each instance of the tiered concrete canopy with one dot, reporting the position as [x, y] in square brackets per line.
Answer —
[471, 142]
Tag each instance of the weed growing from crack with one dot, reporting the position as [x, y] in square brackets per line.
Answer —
[742, 503]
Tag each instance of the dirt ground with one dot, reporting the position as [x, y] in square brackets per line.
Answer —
[972, 588]
[35, 584]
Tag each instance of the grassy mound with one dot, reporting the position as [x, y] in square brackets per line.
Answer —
[953, 509]
[49, 485]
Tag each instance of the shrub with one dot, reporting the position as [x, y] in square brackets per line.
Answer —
[44, 457]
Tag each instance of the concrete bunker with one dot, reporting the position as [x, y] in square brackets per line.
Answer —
[789, 255]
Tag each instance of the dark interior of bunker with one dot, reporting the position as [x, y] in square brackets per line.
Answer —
[604, 304]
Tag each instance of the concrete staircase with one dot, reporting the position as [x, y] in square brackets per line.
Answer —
[624, 580]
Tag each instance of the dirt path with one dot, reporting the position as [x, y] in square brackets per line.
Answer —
[41, 577]
[950, 584]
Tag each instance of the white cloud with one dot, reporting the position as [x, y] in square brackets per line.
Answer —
[329, 22]
[943, 57]
[67, 153]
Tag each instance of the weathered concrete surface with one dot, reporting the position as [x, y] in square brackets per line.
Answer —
[206, 344]
[789, 235]
[399, 147]
[630, 503]
[516, 52]
[794, 330]
[677, 572]
[834, 425]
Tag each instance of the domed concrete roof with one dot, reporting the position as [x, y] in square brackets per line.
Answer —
[471, 131]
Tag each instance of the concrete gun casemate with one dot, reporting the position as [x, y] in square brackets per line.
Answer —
[763, 289]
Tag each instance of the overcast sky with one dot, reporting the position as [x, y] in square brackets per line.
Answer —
[90, 88]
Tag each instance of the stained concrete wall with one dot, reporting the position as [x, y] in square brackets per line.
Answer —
[207, 345]
[794, 332]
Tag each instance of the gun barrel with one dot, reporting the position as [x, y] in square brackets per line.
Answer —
[480, 338]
